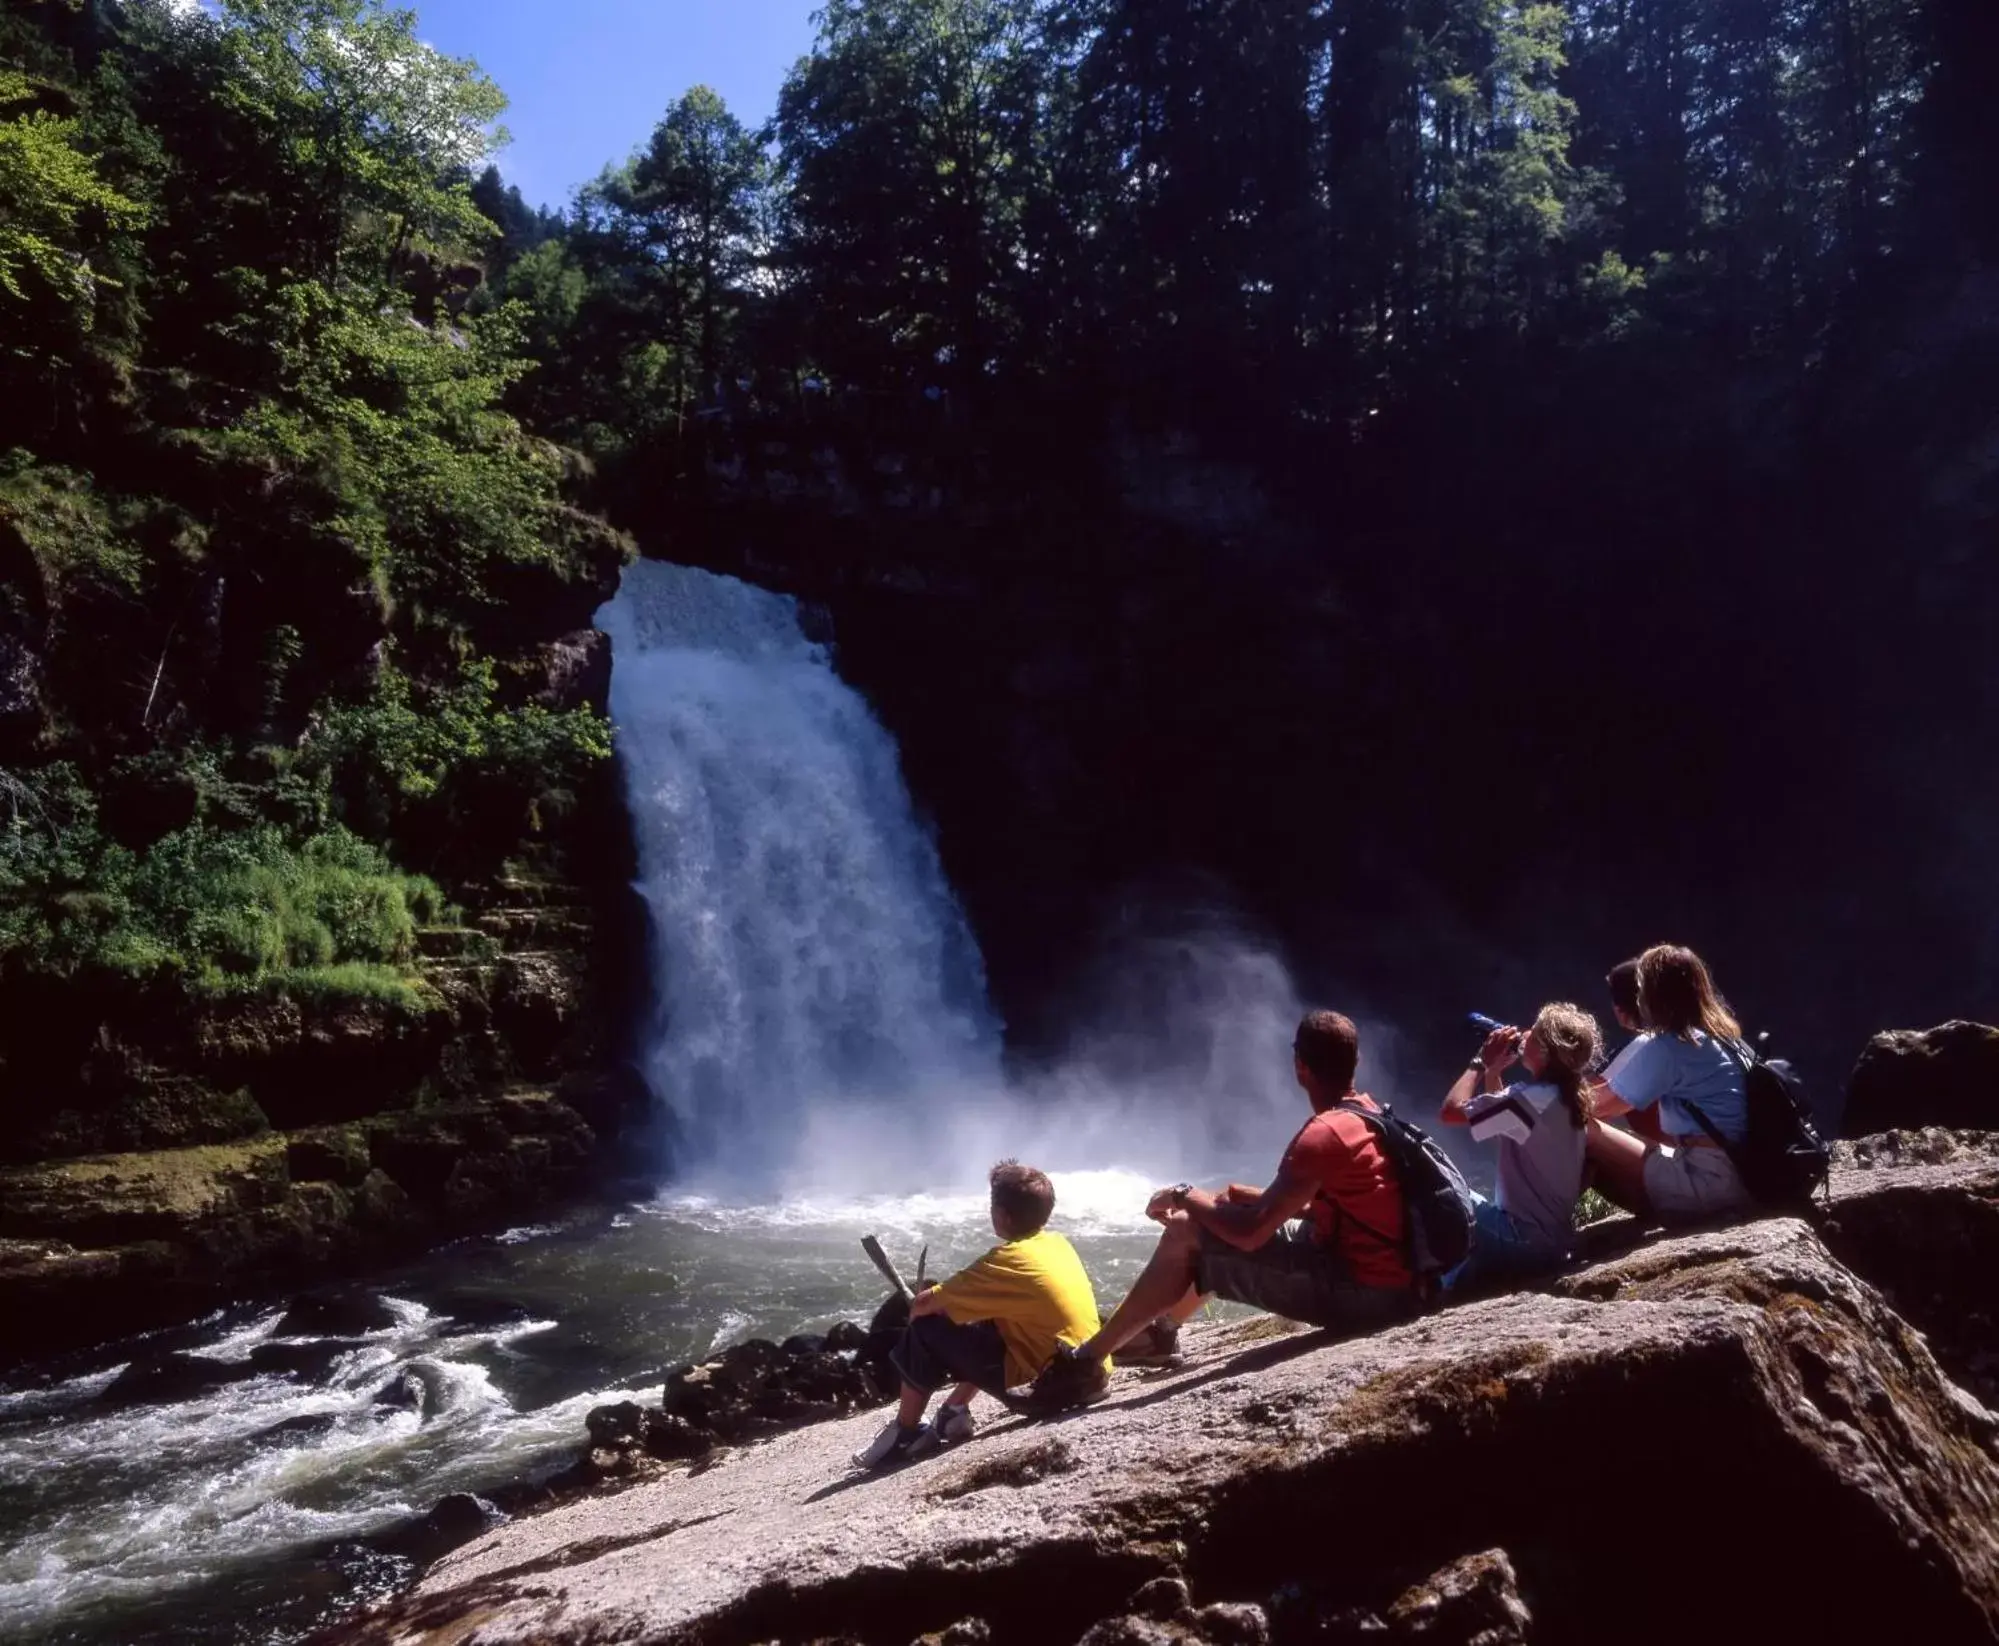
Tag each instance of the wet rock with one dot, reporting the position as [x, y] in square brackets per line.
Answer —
[845, 1338]
[453, 1521]
[310, 1360]
[312, 1426]
[405, 1392]
[459, 1518]
[159, 1380]
[1829, 1442]
[336, 1314]
[746, 1365]
[610, 1424]
[1471, 1602]
[1911, 1078]
[673, 1439]
[795, 1347]
[477, 1311]
[692, 1394]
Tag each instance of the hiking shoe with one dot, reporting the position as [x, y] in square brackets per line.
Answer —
[1156, 1345]
[1068, 1381]
[890, 1446]
[953, 1424]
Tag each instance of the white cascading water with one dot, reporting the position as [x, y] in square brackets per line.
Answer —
[808, 955]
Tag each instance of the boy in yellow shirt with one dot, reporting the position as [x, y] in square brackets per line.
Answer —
[992, 1326]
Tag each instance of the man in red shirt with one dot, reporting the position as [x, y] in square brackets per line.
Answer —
[1322, 1244]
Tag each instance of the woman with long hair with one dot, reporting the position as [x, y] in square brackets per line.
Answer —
[1686, 1069]
[1539, 1126]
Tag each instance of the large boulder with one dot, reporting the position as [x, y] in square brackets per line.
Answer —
[1917, 1213]
[1911, 1078]
[1740, 1389]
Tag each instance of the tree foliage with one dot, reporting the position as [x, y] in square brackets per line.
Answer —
[260, 488]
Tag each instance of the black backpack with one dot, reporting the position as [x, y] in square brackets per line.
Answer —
[1783, 1160]
[1437, 1215]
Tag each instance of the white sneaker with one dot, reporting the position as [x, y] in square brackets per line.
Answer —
[892, 1443]
[954, 1423]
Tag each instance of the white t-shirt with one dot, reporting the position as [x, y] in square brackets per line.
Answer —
[1540, 1158]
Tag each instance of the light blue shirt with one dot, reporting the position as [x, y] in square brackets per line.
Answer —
[1671, 1072]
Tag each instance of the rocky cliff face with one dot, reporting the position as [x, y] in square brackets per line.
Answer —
[262, 1144]
[1154, 678]
[1727, 1436]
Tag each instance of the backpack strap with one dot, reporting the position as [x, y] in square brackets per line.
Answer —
[1740, 1056]
[1377, 1124]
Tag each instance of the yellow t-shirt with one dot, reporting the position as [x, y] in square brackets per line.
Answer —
[1035, 1291]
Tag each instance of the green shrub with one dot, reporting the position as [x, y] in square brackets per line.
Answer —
[450, 775]
[76, 534]
[216, 907]
[1591, 1207]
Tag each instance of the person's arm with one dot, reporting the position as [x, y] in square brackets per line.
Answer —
[1247, 1224]
[1636, 1081]
[929, 1301]
[1165, 1202]
[1484, 1074]
[1605, 1104]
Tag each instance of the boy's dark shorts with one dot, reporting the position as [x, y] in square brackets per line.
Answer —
[1292, 1275]
[936, 1353]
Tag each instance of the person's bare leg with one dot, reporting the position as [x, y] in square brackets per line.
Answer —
[962, 1395]
[1188, 1306]
[910, 1413]
[1165, 1285]
[1619, 1159]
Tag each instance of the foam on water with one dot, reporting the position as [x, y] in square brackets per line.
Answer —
[1107, 1201]
[112, 1504]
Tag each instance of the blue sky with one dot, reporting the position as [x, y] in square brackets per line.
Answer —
[587, 80]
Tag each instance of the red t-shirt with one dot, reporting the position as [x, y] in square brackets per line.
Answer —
[1358, 1209]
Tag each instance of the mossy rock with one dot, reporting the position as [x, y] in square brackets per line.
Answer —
[164, 1195]
[329, 1154]
[170, 1113]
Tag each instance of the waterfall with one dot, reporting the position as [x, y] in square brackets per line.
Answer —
[808, 955]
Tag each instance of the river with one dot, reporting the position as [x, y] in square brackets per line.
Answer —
[257, 1511]
[824, 1065]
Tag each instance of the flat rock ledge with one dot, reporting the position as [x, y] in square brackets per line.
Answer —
[1725, 1436]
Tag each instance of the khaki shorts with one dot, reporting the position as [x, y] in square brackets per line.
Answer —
[1692, 1184]
[1292, 1275]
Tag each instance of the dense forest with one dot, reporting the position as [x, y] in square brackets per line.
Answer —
[268, 530]
[1513, 479]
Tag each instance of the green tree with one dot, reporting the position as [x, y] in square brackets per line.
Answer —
[53, 203]
[914, 147]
